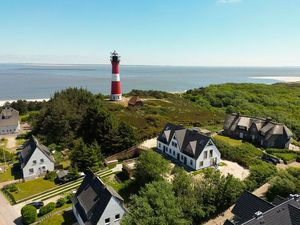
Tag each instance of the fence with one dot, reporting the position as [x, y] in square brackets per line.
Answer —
[126, 154]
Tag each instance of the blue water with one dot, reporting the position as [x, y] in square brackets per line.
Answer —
[26, 81]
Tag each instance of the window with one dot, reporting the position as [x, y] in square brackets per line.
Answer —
[201, 164]
[210, 153]
[42, 161]
[159, 145]
[34, 162]
[205, 155]
[173, 152]
[117, 217]
[181, 157]
[31, 170]
[191, 162]
[107, 221]
[210, 143]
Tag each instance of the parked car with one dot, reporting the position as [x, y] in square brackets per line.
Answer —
[37, 205]
[270, 159]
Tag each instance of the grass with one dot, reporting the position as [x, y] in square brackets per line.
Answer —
[286, 156]
[32, 187]
[7, 175]
[228, 140]
[149, 119]
[62, 218]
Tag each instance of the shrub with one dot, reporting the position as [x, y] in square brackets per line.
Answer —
[69, 198]
[29, 214]
[51, 176]
[11, 188]
[47, 208]
[60, 202]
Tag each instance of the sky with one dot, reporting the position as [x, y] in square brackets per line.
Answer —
[151, 32]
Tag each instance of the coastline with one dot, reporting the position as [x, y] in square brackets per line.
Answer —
[2, 102]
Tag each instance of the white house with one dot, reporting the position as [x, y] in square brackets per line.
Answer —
[9, 121]
[35, 159]
[188, 146]
[97, 204]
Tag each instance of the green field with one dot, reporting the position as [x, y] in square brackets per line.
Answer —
[32, 187]
[7, 175]
[62, 218]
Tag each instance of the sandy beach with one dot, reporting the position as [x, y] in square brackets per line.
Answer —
[2, 102]
[281, 79]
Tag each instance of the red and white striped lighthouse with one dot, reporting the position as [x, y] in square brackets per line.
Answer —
[116, 93]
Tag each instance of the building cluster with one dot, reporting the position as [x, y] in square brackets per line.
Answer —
[252, 210]
[260, 131]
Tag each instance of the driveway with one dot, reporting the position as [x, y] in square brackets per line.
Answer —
[8, 214]
[233, 168]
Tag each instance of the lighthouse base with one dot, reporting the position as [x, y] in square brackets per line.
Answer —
[116, 97]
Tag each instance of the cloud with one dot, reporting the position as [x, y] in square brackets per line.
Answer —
[228, 1]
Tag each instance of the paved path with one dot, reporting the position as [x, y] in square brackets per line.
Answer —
[9, 182]
[8, 214]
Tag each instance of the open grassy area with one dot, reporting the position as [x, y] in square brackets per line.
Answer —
[62, 218]
[7, 175]
[32, 187]
[151, 118]
[228, 140]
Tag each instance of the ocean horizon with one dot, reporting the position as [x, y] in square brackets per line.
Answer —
[40, 81]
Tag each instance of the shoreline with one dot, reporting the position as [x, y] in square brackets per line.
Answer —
[2, 102]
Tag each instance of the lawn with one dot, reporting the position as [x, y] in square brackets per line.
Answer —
[286, 156]
[62, 218]
[228, 140]
[7, 175]
[32, 187]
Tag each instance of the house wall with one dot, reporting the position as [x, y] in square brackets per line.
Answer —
[38, 166]
[76, 214]
[113, 208]
[207, 162]
[190, 162]
[10, 129]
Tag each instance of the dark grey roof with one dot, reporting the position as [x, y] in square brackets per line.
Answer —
[286, 213]
[265, 126]
[92, 198]
[278, 200]
[190, 142]
[9, 117]
[248, 204]
[227, 222]
[30, 146]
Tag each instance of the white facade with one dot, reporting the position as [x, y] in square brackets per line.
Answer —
[210, 155]
[10, 129]
[37, 165]
[112, 214]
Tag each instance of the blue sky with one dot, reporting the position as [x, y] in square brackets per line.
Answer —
[152, 32]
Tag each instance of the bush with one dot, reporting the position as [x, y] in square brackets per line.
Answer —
[29, 214]
[60, 202]
[11, 188]
[69, 198]
[51, 176]
[47, 208]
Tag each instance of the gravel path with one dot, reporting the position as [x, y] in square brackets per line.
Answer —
[233, 168]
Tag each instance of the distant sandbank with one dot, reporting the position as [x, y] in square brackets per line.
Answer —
[282, 79]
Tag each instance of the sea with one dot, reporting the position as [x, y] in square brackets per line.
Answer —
[41, 81]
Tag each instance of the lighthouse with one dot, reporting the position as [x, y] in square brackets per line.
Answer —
[116, 93]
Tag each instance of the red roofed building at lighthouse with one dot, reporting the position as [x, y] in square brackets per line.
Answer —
[116, 93]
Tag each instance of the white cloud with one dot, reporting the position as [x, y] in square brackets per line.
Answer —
[228, 1]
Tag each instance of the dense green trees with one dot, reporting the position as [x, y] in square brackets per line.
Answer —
[86, 157]
[29, 214]
[77, 113]
[23, 106]
[155, 204]
[279, 101]
[151, 166]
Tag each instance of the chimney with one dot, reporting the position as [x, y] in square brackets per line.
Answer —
[258, 215]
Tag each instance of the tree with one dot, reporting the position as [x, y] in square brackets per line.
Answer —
[51, 176]
[151, 166]
[73, 173]
[86, 157]
[155, 204]
[29, 214]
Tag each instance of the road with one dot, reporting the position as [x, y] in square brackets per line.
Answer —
[8, 214]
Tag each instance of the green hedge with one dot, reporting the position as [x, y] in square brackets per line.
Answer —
[47, 208]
